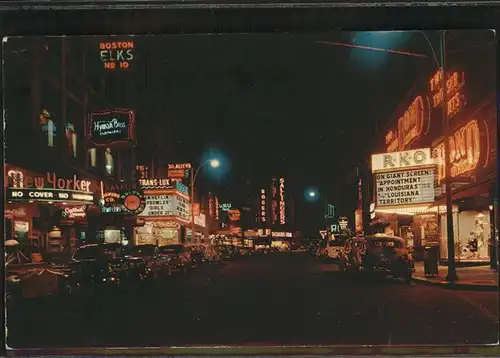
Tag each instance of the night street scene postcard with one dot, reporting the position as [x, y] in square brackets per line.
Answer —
[333, 189]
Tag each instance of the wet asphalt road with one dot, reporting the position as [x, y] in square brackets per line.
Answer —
[280, 299]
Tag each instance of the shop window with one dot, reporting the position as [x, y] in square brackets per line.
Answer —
[72, 139]
[92, 157]
[108, 162]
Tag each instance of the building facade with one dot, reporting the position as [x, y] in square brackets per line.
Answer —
[472, 118]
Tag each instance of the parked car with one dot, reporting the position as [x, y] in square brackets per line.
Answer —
[197, 254]
[334, 250]
[212, 254]
[226, 252]
[178, 255]
[29, 275]
[159, 266]
[97, 267]
[378, 255]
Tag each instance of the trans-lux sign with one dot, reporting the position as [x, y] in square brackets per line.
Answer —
[405, 159]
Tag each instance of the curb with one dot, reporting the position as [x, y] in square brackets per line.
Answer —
[455, 286]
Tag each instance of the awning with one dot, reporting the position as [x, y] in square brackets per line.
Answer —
[415, 210]
[470, 191]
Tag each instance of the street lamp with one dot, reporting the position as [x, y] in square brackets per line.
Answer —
[214, 163]
[313, 195]
[441, 64]
[452, 272]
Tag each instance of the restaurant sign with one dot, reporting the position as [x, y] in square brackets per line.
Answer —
[406, 187]
[21, 186]
[401, 160]
[75, 213]
[455, 97]
[465, 151]
[111, 127]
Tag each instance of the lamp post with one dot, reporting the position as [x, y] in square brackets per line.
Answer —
[452, 272]
[214, 163]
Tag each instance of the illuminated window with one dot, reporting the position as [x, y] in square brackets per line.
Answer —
[48, 126]
[109, 162]
[92, 157]
[71, 137]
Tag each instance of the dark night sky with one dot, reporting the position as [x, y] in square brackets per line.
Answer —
[280, 103]
[272, 103]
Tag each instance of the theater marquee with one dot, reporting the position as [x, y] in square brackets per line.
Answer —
[405, 187]
[25, 186]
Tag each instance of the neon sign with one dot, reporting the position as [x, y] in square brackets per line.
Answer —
[111, 127]
[456, 100]
[263, 205]
[77, 212]
[211, 210]
[17, 180]
[282, 201]
[411, 123]
[119, 52]
[391, 141]
[274, 203]
[465, 150]
[216, 208]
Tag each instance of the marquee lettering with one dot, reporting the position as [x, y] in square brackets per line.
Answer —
[18, 180]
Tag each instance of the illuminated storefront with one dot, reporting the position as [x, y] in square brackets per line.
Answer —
[166, 213]
[47, 210]
[473, 159]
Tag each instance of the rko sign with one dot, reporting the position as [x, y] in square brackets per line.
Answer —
[405, 159]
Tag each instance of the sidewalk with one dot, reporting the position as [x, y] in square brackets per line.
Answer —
[481, 278]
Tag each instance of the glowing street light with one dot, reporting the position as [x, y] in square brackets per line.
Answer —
[214, 163]
[312, 194]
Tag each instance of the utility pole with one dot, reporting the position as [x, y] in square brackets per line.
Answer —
[452, 273]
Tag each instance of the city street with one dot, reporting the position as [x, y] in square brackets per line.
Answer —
[282, 298]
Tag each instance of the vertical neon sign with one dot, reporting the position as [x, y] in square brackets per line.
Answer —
[263, 205]
[274, 203]
[282, 202]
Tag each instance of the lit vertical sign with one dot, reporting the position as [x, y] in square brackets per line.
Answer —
[262, 202]
[282, 201]
[274, 203]
[216, 208]
[211, 208]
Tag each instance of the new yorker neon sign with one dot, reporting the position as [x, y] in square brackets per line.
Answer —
[48, 188]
